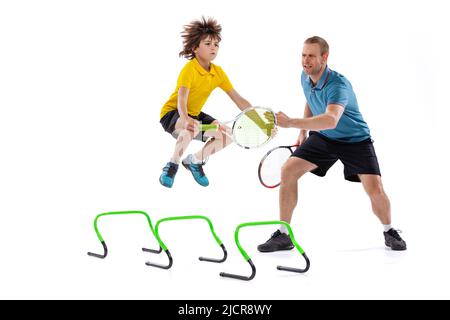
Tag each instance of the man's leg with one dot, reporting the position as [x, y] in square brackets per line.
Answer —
[380, 202]
[381, 206]
[291, 172]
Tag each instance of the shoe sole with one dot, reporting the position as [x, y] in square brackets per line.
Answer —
[268, 251]
[164, 184]
[187, 168]
[394, 248]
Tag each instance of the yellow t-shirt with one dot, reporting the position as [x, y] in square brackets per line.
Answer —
[200, 84]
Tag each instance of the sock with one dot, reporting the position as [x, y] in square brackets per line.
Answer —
[176, 161]
[195, 160]
[387, 227]
[283, 229]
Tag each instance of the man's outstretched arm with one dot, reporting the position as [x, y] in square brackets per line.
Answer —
[328, 120]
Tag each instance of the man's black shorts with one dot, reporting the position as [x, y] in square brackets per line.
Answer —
[357, 157]
[170, 119]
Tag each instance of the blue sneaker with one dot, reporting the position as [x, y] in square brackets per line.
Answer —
[196, 170]
[168, 175]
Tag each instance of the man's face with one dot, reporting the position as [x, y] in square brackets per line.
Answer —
[208, 49]
[312, 60]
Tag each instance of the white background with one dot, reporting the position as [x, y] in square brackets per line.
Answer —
[81, 87]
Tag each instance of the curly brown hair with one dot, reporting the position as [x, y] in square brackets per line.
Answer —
[195, 32]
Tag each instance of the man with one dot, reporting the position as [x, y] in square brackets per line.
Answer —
[337, 132]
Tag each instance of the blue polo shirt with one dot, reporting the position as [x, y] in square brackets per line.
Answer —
[334, 88]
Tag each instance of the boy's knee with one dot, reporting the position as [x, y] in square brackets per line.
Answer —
[186, 134]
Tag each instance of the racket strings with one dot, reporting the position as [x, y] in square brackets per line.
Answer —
[270, 172]
[254, 128]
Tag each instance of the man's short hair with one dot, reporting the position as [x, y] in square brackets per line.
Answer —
[324, 48]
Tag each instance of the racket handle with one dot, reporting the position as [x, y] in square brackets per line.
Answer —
[206, 127]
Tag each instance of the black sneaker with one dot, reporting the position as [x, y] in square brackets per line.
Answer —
[393, 240]
[277, 242]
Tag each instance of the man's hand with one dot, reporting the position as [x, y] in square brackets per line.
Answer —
[283, 120]
[301, 138]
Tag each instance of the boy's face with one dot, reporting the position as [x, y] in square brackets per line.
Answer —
[208, 49]
[312, 60]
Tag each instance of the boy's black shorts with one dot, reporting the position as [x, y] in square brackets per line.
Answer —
[170, 119]
[357, 157]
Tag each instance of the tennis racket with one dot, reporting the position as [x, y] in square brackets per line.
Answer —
[252, 128]
[269, 170]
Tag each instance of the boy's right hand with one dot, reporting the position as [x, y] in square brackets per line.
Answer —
[190, 124]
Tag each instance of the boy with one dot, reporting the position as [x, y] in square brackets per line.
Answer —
[181, 115]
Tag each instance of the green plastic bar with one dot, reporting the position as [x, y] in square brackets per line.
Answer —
[206, 127]
[169, 256]
[120, 213]
[249, 260]
[102, 241]
[162, 244]
[263, 223]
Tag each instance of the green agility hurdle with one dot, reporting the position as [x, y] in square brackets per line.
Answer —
[166, 250]
[100, 238]
[249, 260]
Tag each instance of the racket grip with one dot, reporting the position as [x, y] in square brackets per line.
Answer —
[206, 127]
